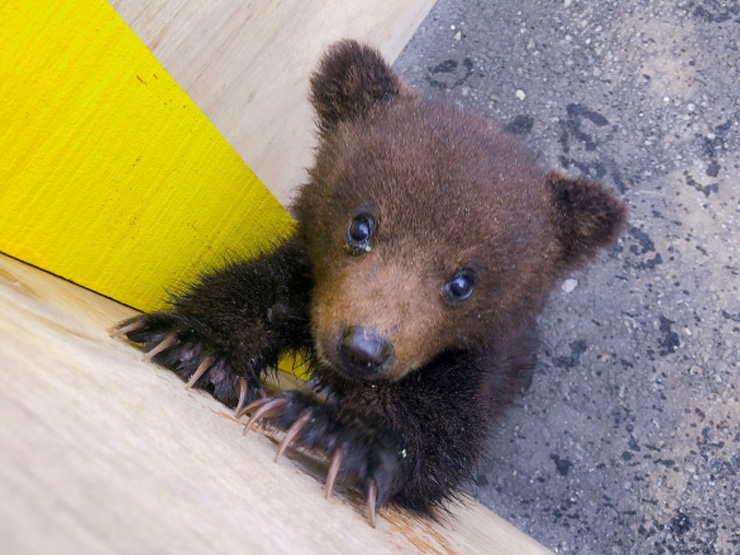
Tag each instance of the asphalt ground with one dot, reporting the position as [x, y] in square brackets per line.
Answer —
[628, 440]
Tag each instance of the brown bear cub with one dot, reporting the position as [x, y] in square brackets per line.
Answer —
[427, 242]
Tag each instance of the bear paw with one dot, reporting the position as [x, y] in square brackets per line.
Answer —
[168, 339]
[357, 451]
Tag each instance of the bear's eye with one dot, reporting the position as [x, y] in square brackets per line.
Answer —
[459, 288]
[359, 233]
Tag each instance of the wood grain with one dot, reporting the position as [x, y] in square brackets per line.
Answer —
[247, 64]
[102, 453]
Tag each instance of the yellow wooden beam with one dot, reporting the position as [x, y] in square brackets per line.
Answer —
[110, 175]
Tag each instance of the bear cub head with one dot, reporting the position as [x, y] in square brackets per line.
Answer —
[429, 228]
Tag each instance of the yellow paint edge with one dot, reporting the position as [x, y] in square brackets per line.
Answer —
[110, 176]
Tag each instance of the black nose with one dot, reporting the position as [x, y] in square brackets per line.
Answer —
[363, 351]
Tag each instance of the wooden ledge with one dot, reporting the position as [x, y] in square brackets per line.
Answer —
[102, 453]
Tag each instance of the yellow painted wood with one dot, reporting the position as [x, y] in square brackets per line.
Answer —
[110, 176]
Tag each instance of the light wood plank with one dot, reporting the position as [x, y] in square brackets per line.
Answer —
[247, 64]
[102, 453]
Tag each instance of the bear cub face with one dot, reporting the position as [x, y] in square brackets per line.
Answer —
[428, 228]
[426, 242]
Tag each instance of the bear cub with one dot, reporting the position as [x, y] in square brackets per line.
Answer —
[426, 243]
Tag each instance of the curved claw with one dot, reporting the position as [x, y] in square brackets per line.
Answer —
[204, 365]
[243, 390]
[261, 399]
[251, 407]
[292, 432]
[166, 343]
[123, 330]
[266, 407]
[372, 499]
[331, 475]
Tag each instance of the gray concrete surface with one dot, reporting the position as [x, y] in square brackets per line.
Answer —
[628, 440]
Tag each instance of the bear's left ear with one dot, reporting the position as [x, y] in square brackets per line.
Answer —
[587, 216]
[352, 80]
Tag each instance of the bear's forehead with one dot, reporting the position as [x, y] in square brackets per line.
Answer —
[445, 186]
[430, 166]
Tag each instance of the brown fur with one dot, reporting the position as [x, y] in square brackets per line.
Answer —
[498, 216]
[412, 373]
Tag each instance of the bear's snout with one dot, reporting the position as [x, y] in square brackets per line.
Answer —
[363, 353]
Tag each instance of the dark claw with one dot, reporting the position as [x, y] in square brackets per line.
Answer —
[202, 367]
[331, 475]
[243, 390]
[123, 330]
[265, 408]
[166, 343]
[293, 431]
[372, 498]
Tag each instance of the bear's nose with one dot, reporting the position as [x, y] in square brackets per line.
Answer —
[363, 351]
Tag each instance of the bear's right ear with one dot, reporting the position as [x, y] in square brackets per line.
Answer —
[587, 216]
[352, 80]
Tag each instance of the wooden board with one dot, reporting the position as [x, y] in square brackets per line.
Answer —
[102, 453]
[247, 64]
